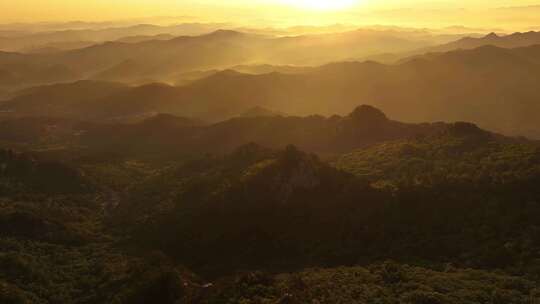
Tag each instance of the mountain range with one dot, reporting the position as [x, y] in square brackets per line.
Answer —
[147, 53]
[363, 127]
[515, 40]
[60, 39]
[452, 86]
[151, 54]
[165, 136]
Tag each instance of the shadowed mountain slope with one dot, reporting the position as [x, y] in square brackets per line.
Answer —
[279, 209]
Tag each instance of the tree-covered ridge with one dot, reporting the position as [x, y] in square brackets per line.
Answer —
[462, 153]
[277, 211]
[364, 126]
[287, 209]
[164, 136]
[40, 272]
[55, 246]
[383, 283]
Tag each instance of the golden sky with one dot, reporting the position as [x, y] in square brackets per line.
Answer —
[520, 14]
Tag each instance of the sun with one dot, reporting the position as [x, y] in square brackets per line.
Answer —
[322, 5]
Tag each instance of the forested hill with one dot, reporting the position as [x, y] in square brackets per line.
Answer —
[463, 153]
[278, 210]
[265, 211]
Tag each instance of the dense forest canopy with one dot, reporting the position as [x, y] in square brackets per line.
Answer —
[393, 205]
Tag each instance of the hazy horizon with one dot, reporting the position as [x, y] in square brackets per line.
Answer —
[503, 15]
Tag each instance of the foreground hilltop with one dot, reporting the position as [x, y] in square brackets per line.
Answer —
[282, 209]
[438, 199]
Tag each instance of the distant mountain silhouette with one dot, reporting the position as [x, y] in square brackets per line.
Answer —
[129, 33]
[493, 87]
[514, 40]
[458, 85]
[162, 59]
